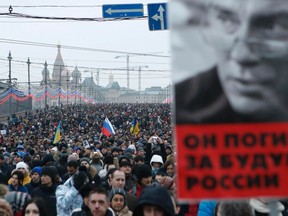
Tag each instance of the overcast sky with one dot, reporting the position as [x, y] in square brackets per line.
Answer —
[127, 36]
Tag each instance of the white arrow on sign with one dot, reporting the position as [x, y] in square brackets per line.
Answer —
[160, 16]
[111, 11]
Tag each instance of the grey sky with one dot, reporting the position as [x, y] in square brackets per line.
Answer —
[128, 36]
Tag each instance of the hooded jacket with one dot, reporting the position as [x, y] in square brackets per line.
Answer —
[154, 195]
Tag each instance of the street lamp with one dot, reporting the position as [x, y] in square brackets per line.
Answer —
[139, 76]
[127, 65]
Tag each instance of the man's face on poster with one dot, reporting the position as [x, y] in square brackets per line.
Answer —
[250, 38]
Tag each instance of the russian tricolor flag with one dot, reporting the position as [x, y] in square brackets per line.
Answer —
[107, 128]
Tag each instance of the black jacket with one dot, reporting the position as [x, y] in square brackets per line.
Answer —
[201, 99]
[48, 194]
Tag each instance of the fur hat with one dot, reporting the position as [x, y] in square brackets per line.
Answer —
[143, 171]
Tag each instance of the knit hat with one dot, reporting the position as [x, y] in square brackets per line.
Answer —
[50, 171]
[168, 183]
[143, 171]
[37, 169]
[114, 191]
[21, 165]
[85, 159]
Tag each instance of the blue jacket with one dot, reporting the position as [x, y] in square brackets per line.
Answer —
[68, 198]
[21, 188]
[207, 208]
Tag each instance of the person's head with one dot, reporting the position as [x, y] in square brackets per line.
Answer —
[72, 167]
[3, 190]
[117, 179]
[17, 178]
[168, 149]
[156, 161]
[139, 159]
[159, 176]
[140, 151]
[154, 201]
[18, 157]
[5, 208]
[85, 191]
[144, 174]
[234, 209]
[169, 168]
[117, 199]
[98, 201]
[49, 175]
[126, 167]
[250, 41]
[85, 162]
[114, 152]
[22, 167]
[35, 207]
[36, 173]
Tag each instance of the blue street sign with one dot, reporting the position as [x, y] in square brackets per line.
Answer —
[122, 10]
[157, 16]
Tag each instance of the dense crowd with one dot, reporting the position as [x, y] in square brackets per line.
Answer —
[64, 175]
[88, 173]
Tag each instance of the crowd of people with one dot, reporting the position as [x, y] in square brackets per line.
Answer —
[86, 172]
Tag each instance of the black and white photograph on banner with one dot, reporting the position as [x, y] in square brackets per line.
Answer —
[231, 61]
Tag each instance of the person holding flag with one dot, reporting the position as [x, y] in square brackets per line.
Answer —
[135, 127]
[107, 128]
[57, 134]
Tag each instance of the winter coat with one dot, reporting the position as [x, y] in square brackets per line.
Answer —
[48, 194]
[31, 186]
[124, 212]
[109, 212]
[68, 198]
